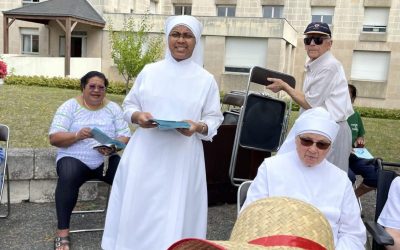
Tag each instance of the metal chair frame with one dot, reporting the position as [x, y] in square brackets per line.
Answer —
[257, 75]
[242, 194]
[5, 137]
[93, 211]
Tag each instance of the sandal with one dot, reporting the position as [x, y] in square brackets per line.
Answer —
[61, 242]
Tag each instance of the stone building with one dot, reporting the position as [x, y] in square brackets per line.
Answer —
[238, 34]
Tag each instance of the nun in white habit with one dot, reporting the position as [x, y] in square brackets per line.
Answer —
[304, 173]
[159, 194]
[390, 215]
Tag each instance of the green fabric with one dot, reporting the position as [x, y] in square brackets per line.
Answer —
[356, 126]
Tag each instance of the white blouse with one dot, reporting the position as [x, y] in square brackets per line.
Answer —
[71, 117]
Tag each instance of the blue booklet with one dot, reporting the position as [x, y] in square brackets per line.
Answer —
[105, 140]
[165, 125]
[362, 153]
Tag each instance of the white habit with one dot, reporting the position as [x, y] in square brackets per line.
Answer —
[390, 215]
[159, 193]
[324, 185]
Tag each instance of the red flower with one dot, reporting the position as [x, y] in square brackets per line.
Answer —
[3, 69]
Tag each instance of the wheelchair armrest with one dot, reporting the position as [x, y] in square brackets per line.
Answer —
[378, 233]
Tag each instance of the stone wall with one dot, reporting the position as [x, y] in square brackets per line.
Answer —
[33, 176]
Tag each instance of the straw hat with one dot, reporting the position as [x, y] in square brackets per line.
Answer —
[272, 223]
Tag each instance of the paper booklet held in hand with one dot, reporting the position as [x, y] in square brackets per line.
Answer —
[362, 153]
[106, 141]
[165, 125]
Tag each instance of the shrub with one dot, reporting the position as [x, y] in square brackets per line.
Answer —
[393, 114]
[114, 87]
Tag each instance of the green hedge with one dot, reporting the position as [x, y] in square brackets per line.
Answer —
[392, 114]
[119, 88]
[114, 87]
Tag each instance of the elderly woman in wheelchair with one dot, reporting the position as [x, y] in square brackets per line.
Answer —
[303, 172]
[77, 159]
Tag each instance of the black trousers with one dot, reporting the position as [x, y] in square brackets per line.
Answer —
[72, 174]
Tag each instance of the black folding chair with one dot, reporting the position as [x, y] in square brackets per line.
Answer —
[385, 177]
[263, 120]
[4, 143]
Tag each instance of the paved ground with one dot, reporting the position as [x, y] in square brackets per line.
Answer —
[31, 225]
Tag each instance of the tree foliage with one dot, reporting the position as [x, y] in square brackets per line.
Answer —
[133, 47]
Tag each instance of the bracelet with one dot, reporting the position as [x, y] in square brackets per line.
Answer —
[203, 128]
[76, 135]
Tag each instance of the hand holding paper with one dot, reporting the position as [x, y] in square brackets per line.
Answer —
[166, 125]
[105, 140]
[363, 153]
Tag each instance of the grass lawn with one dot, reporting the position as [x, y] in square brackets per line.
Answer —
[28, 112]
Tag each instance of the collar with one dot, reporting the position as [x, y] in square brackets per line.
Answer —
[311, 65]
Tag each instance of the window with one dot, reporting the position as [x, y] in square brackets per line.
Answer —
[183, 9]
[272, 11]
[26, 2]
[226, 10]
[243, 53]
[322, 14]
[370, 65]
[153, 7]
[29, 40]
[375, 19]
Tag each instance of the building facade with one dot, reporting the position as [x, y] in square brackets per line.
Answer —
[239, 34]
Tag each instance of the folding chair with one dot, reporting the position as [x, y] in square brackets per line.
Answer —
[242, 194]
[263, 120]
[92, 211]
[4, 139]
[233, 98]
[385, 178]
[232, 101]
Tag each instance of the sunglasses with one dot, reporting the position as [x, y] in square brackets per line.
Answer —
[308, 143]
[318, 40]
[94, 87]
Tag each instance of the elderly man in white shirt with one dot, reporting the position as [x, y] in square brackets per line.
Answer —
[325, 85]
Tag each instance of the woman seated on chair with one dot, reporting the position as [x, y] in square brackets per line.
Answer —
[304, 173]
[77, 161]
[390, 215]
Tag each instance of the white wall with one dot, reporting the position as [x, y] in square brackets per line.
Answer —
[49, 66]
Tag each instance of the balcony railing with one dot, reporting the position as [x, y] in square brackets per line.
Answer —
[373, 28]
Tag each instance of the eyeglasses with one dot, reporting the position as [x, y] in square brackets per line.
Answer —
[318, 40]
[185, 36]
[308, 143]
[93, 87]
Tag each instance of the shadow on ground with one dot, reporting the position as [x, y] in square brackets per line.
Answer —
[32, 225]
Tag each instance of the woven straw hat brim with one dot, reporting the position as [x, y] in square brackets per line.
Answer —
[199, 244]
[282, 216]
